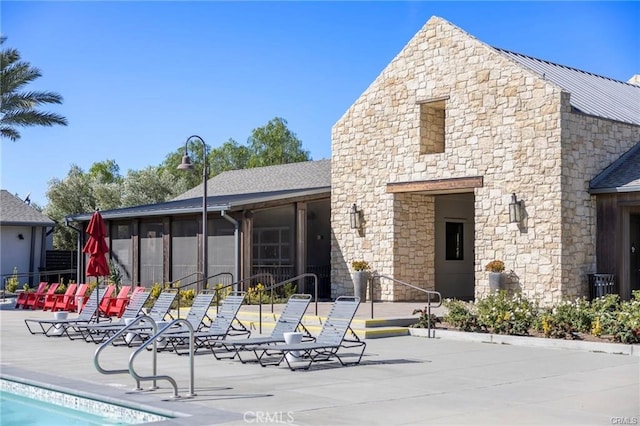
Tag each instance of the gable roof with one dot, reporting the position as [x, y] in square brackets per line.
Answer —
[15, 212]
[590, 93]
[623, 175]
[304, 175]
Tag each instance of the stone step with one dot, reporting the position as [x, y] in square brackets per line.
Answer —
[364, 328]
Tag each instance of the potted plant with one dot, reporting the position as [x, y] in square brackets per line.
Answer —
[360, 277]
[496, 275]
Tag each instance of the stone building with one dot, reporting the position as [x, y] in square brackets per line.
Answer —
[431, 155]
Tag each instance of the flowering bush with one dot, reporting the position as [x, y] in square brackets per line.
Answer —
[502, 314]
[360, 265]
[605, 316]
[495, 266]
[460, 315]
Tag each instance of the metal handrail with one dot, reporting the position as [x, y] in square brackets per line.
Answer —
[96, 361]
[429, 293]
[253, 277]
[138, 378]
[280, 284]
[204, 286]
[57, 272]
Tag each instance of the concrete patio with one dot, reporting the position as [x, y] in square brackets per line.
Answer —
[401, 381]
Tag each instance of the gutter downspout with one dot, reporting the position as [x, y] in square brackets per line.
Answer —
[79, 265]
[236, 234]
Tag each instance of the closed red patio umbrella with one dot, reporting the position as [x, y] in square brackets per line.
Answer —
[97, 249]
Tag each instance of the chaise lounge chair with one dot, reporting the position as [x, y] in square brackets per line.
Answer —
[221, 327]
[63, 327]
[328, 343]
[289, 321]
[139, 332]
[98, 333]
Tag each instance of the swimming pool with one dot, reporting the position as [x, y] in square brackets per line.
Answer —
[24, 404]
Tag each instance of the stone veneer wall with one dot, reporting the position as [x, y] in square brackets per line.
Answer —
[503, 123]
[413, 252]
[589, 145]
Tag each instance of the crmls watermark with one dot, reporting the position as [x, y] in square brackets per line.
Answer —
[624, 420]
[268, 417]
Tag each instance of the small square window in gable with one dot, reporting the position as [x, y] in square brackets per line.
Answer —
[432, 126]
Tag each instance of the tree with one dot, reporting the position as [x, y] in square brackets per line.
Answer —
[18, 107]
[229, 156]
[173, 160]
[275, 144]
[152, 185]
[79, 192]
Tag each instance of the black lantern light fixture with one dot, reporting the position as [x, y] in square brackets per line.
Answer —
[187, 165]
[354, 217]
[515, 209]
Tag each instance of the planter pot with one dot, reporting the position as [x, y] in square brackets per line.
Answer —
[496, 281]
[360, 279]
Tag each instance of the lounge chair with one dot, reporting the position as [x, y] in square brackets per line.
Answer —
[21, 300]
[62, 327]
[328, 343]
[97, 333]
[158, 312]
[221, 327]
[289, 321]
[106, 299]
[36, 300]
[50, 300]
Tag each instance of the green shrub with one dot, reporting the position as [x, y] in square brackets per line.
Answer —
[187, 296]
[626, 328]
[288, 290]
[60, 289]
[566, 319]
[459, 315]
[425, 320]
[11, 285]
[502, 314]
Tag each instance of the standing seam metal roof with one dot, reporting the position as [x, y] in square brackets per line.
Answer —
[590, 93]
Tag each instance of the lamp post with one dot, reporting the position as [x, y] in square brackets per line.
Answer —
[187, 165]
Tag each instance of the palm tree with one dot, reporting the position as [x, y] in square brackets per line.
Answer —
[17, 107]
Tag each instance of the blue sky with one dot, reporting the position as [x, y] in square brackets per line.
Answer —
[138, 78]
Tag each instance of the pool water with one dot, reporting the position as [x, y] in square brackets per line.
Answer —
[18, 410]
[23, 404]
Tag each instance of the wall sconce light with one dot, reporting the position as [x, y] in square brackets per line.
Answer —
[354, 217]
[515, 209]
[20, 237]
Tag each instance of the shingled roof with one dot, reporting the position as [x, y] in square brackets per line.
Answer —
[304, 175]
[15, 212]
[238, 189]
[590, 93]
[623, 175]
